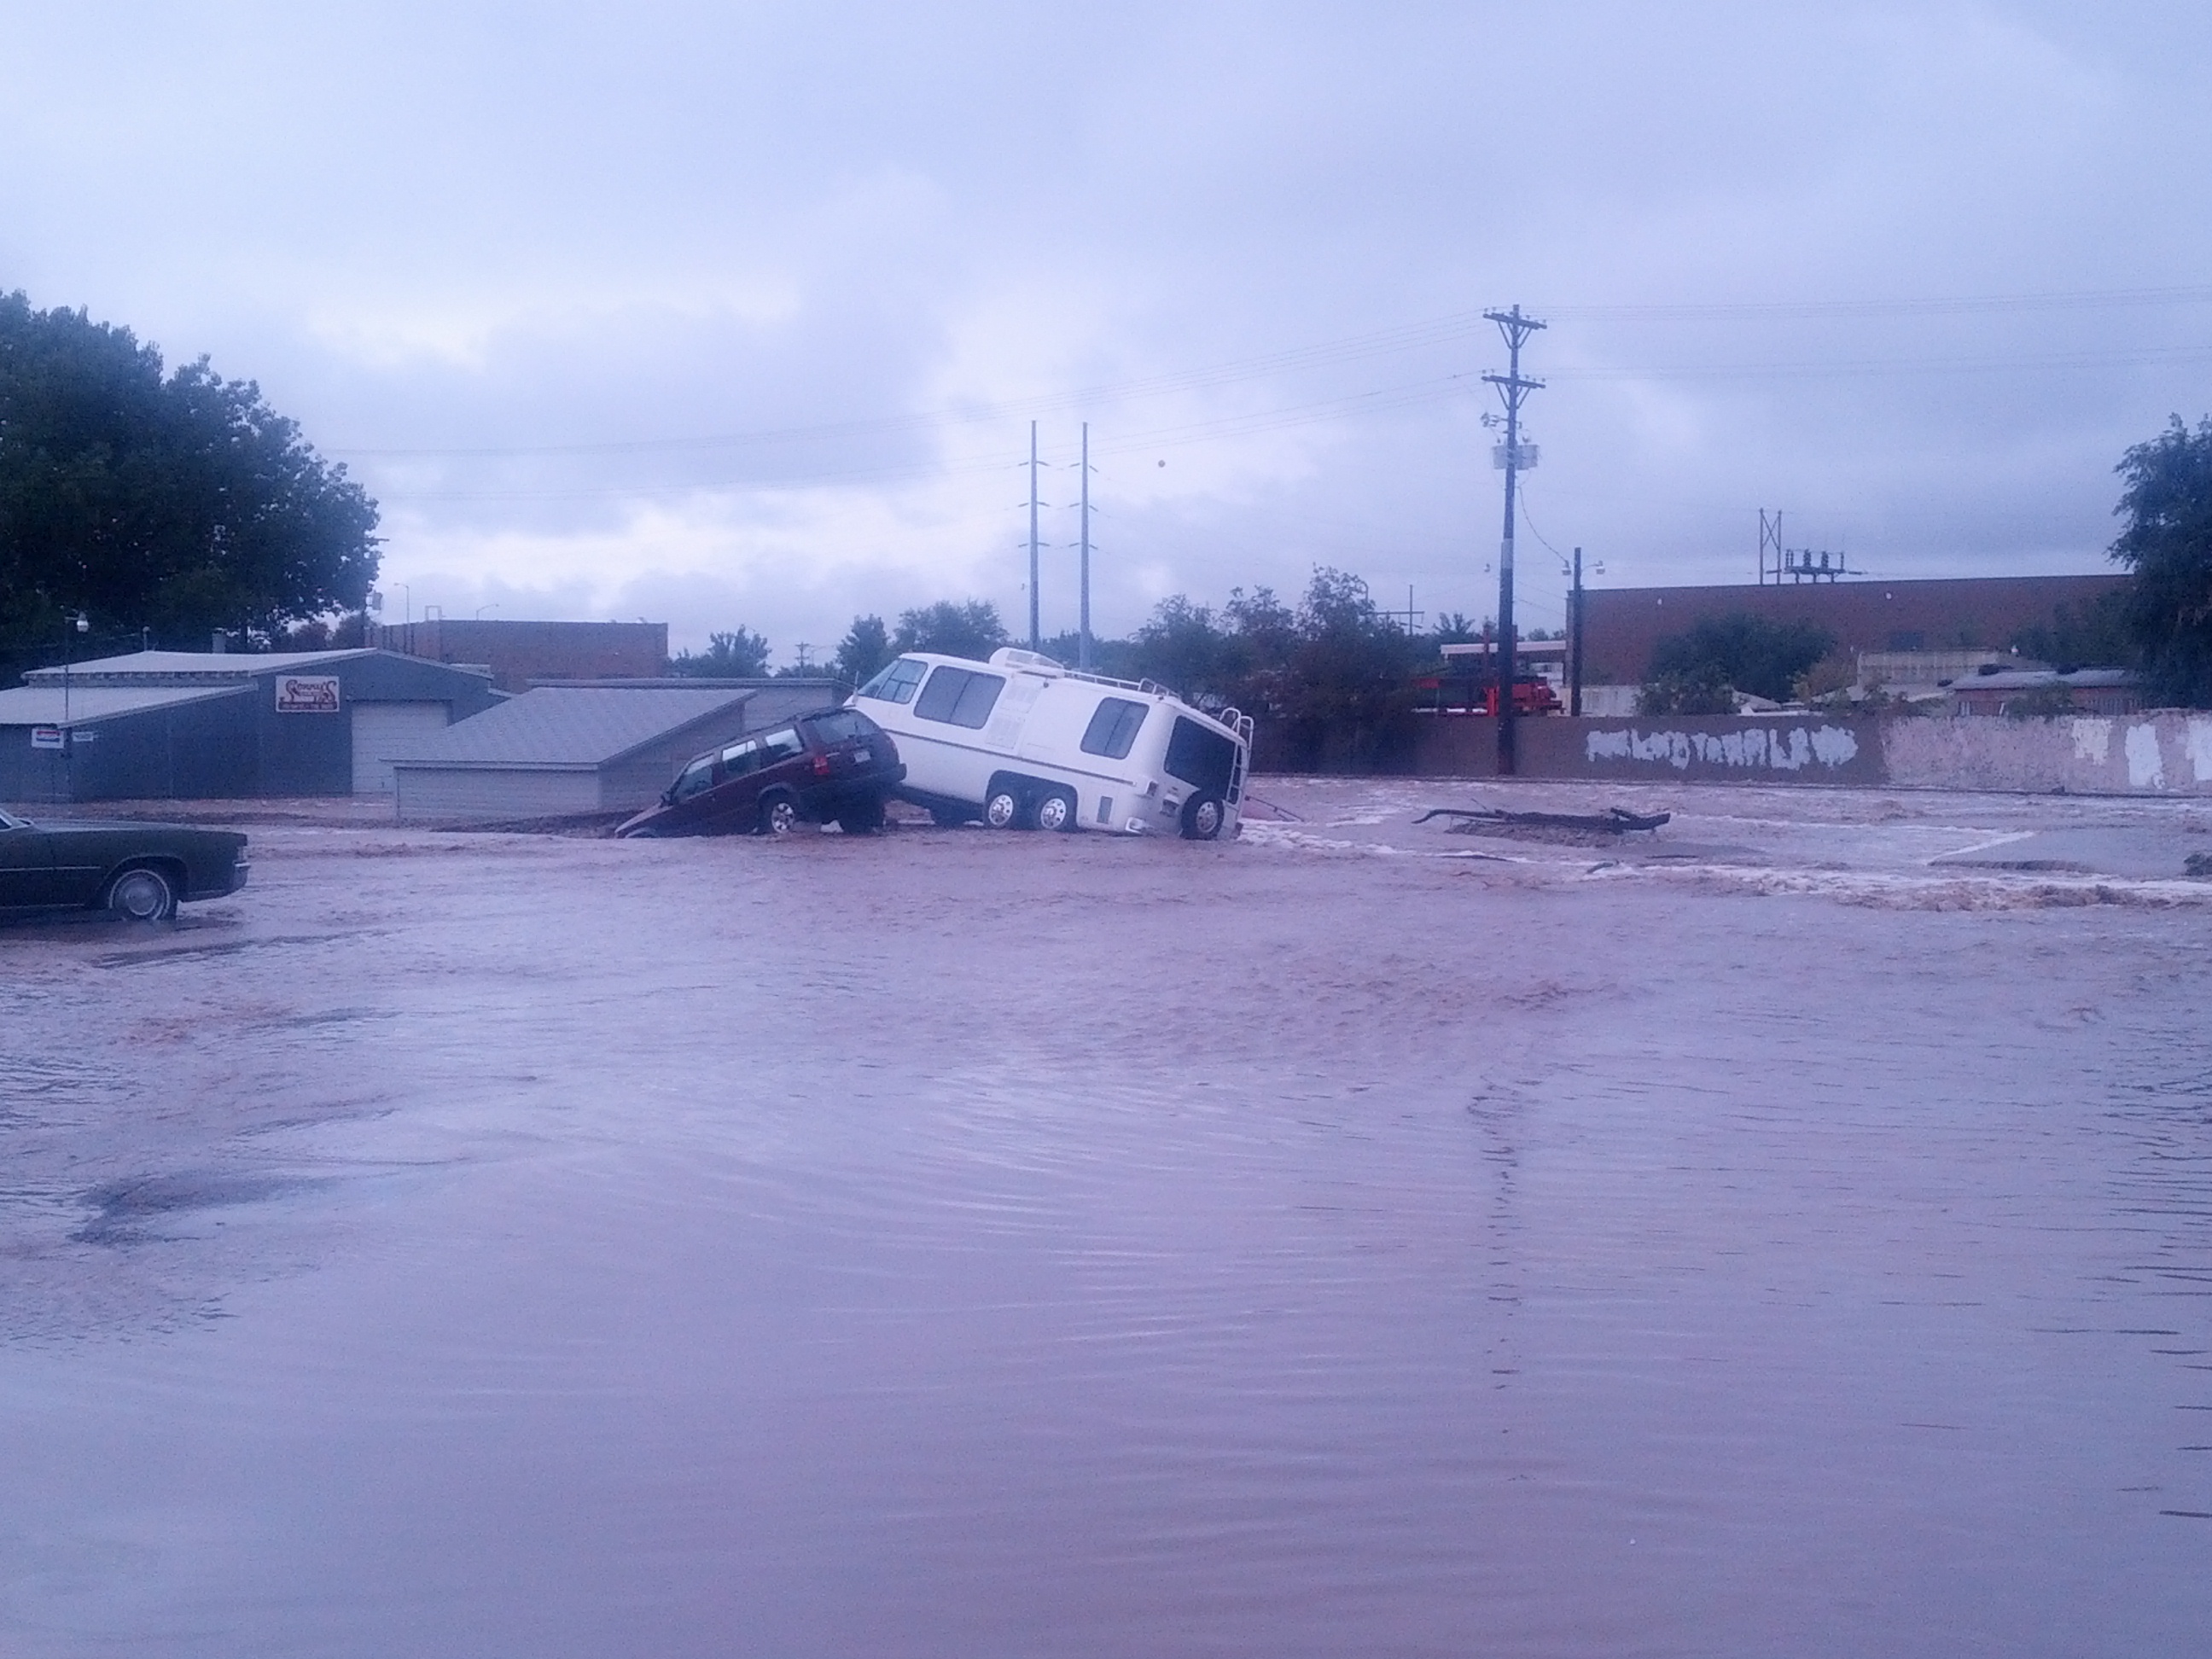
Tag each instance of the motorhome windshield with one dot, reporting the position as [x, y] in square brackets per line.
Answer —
[897, 682]
[1204, 759]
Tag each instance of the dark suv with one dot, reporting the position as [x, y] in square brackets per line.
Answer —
[835, 764]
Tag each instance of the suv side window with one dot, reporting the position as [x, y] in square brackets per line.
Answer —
[695, 778]
[777, 746]
[740, 758]
[959, 697]
[897, 682]
[1113, 729]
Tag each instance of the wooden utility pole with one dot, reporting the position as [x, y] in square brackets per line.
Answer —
[1509, 456]
[1575, 641]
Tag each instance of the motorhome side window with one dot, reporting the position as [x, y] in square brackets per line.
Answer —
[959, 697]
[897, 682]
[1113, 729]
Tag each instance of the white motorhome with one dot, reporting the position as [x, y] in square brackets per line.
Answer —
[1023, 743]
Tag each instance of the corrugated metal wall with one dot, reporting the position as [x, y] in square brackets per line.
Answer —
[479, 791]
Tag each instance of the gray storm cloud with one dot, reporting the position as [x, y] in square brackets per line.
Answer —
[734, 319]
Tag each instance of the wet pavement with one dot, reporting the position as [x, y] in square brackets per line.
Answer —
[1790, 1232]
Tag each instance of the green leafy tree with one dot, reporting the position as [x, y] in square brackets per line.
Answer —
[1454, 628]
[1348, 662]
[1116, 659]
[2168, 545]
[1702, 688]
[1267, 627]
[1749, 652]
[970, 629]
[1182, 645]
[864, 651]
[2094, 636]
[177, 502]
[741, 655]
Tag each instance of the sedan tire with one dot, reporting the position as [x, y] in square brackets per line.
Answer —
[142, 894]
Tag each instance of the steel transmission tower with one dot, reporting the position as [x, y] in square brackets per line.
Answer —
[1036, 639]
[1511, 389]
[1083, 635]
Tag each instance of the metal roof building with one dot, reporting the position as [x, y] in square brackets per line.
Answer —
[216, 724]
[587, 747]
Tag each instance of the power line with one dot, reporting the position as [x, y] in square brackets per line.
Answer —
[1410, 336]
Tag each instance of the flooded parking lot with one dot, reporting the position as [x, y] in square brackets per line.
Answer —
[1788, 1233]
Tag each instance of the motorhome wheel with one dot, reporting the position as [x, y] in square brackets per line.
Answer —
[1056, 812]
[864, 819]
[1003, 810]
[1202, 817]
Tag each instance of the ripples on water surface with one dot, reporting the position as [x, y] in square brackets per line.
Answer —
[981, 1246]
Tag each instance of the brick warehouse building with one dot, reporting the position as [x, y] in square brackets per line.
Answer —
[519, 652]
[1623, 625]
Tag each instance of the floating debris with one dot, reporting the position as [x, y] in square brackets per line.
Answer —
[1572, 829]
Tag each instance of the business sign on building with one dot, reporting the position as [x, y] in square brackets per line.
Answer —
[306, 694]
[48, 737]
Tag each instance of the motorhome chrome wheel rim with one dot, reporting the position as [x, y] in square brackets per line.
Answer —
[1202, 819]
[1002, 810]
[1055, 812]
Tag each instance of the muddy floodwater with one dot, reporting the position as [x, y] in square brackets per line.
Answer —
[1789, 1233]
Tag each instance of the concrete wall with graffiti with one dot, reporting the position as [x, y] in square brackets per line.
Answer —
[2166, 753]
[1812, 750]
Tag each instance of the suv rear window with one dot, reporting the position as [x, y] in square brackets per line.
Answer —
[897, 682]
[959, 697]
[1113, 728]
[842, 726]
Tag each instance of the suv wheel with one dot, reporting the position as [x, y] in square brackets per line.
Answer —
[779, 815]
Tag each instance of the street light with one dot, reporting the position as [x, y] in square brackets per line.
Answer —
[80, 624]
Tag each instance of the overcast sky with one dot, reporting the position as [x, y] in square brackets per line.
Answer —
[723, 313]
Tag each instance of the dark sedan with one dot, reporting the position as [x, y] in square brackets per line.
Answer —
[140, 871]
[833, 764]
